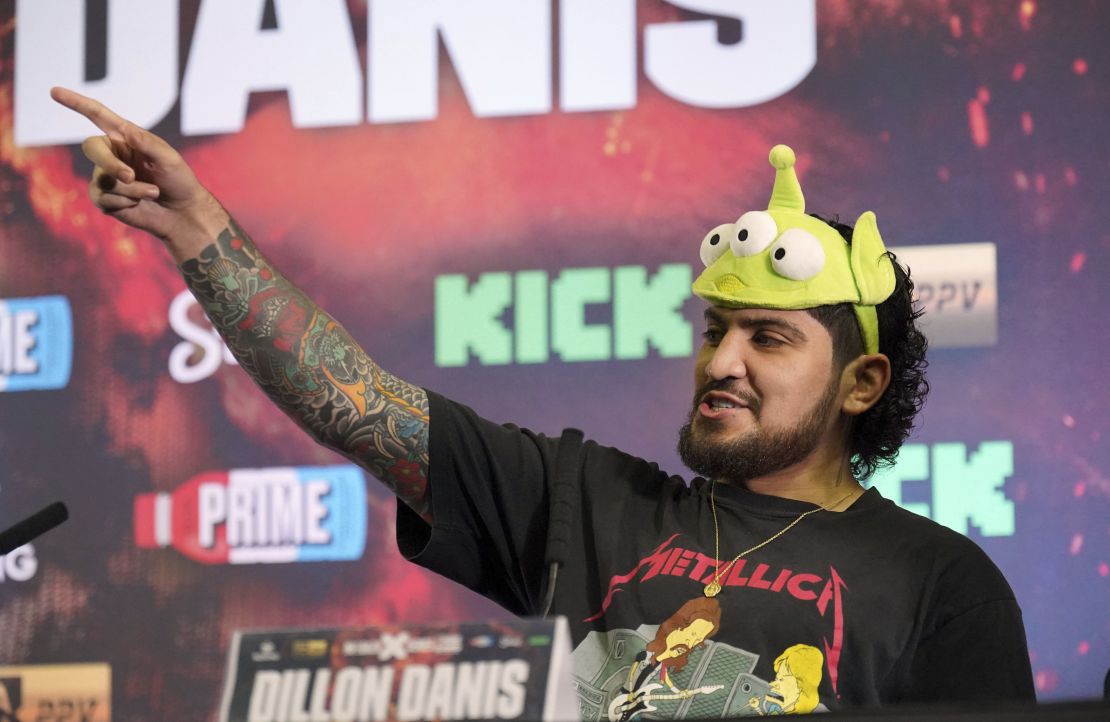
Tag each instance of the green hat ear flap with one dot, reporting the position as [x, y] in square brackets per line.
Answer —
[874, 276]
[787, 193]
[871, 267]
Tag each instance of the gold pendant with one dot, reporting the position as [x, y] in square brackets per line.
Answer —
[712, 589]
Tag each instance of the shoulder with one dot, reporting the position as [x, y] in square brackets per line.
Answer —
[458, 429]
[955, 568]
[923, 531]
[909, 529]
[613, 468]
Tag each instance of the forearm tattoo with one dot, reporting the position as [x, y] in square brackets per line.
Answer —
[311, 368]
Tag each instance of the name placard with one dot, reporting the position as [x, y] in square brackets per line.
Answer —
[517, 669]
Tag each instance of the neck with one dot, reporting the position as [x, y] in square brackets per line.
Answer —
[822, 478]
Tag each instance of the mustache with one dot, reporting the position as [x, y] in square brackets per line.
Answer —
[725, 386]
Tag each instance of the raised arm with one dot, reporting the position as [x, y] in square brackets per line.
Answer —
[298, 354]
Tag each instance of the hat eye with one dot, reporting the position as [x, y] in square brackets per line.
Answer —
[715, 243]
[753, 232]
[797, 255]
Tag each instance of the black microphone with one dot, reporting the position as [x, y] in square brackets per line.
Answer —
[564, 506]
[38, 523]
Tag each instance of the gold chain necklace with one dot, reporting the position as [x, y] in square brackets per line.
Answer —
[714, 587]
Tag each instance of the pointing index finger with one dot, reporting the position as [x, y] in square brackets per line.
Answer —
[95, 111]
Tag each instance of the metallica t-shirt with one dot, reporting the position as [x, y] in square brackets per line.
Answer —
[872, 605]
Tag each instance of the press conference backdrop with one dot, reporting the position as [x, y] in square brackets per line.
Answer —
[503, 201]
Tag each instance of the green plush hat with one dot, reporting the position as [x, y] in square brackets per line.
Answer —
[782, 258]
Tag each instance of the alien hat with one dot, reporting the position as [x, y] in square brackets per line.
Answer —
[784, 259]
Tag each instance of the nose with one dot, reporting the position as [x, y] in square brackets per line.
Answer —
[727, 360]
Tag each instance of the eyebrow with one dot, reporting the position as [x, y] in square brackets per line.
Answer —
[715, 316]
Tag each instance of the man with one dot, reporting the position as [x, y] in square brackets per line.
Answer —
[809, 378]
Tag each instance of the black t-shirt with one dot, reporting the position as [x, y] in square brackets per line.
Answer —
[872, 605]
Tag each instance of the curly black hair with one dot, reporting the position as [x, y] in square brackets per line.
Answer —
[879, 432]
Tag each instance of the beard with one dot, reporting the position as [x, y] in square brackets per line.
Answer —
[755, 453]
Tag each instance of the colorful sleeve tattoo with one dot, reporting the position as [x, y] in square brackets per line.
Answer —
[312, 369]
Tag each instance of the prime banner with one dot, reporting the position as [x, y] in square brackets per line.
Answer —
[503, 201]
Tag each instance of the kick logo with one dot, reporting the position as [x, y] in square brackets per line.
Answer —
[954, 485]
[36, 343]
[259, 516]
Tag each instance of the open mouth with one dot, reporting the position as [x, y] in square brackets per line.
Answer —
[718, 403]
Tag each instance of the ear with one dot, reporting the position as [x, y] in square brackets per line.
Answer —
[871, 267]
[863, 382]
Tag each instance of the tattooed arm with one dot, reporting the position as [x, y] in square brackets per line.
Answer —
[311, 368]
[300, 356]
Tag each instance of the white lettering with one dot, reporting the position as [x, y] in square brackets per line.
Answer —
[410, 697]
[19, 565]
[393, 646]
[23, 341]
[315, 512]
[361, 694]
[286, 702]
[141, 80]
[286, 513]
[777, 49]
[377, 690]
[345, 696]
[7, 343]
[298, 696]
[514, 675]
[240, 515]
[258, 512]
[440, 692]
[197, 337]
[500, 49]
[597, 54]
[318, 706]
[470, 691]
[311, 54]
[262, 706]
[211, 510]
[264, 513]
[489, 701]
[17, 341]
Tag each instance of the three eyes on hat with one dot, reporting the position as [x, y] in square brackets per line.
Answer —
[795, 254]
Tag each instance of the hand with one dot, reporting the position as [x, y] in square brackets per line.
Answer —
[139, 178]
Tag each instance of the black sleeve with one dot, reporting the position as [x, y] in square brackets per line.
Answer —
[490, 495]
[975, 648]
[979, 656]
